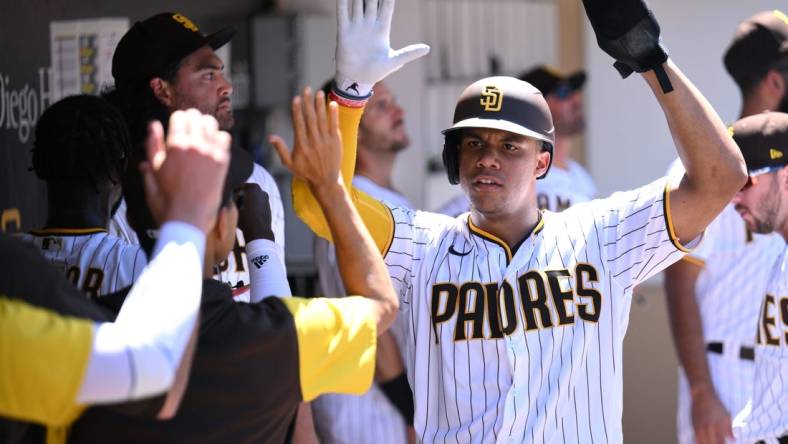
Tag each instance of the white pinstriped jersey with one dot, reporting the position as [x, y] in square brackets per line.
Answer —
[559, 190]
[729, 288]
[235, 271]
[525, 348]
[96, 262]
[768, 412]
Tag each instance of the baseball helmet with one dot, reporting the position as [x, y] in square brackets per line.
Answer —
[503, 103]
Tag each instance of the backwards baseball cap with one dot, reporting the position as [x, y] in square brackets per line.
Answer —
[763, 140]
[759, 42]
[155, 45]
[549, 80]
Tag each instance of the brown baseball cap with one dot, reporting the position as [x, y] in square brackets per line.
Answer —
[759, 43]
[763, 140]
[549, 80]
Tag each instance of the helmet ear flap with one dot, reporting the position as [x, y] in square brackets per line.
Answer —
[547, 146]
[451, 158]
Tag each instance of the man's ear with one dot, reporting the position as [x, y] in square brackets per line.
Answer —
[162, 90]
[542, 160]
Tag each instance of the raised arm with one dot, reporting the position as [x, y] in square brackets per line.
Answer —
[364, 57]
[315, 158]
[628, 32]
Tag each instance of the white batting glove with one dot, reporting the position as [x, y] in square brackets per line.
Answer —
[364, 55]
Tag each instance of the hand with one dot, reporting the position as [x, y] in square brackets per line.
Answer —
[184, 176]
[254, 218]
[364, 55]
[317, 151]
[710, 419]
[627, 31]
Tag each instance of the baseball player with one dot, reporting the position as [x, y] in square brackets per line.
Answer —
[163, 64]
[515, 317]
[383, 414]
[60, 354]
[763, 204]
[81, 148]
[712, 323]
[255, 363]
[568, 183]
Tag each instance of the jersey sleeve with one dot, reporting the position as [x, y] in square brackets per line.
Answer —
[376, 215]
[43, 357]
[637, 231]
[336, 344]
[263, 178]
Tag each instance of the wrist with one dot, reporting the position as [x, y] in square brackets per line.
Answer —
[349, 88]
[258, 232]
[701, 389]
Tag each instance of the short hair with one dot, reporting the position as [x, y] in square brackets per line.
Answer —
[81, 139]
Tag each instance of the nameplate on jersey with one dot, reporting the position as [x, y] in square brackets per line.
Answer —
[538, 300]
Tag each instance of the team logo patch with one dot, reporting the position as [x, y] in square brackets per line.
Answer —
[183, 20]
[775, 154]
[259, 261]
[492, 98]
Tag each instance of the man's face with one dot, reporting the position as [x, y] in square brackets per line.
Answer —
[759, 202]
[498, 170]
[200, 83]
[566, 106]
[382, 126]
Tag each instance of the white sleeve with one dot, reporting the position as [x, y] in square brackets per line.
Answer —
[266, 273]
[267, 183]
[138, 355]
[639, 240]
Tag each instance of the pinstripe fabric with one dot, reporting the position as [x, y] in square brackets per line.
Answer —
[96, 262]
[768, 412]
[729, 289]
[525, 348]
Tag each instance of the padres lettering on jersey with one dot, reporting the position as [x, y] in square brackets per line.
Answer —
[522, 347]
[766, 418]
[96, 262]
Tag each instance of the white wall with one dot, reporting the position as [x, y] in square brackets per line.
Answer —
[628, 140]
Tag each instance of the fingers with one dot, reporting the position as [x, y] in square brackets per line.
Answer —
[282, 150]
[154, 143]
[409, 53]
[386, 13]
[299, 126]
[342, 14]
[322, 118]
[310, 118]
[371, 10]
[358, 10]
[333, 118]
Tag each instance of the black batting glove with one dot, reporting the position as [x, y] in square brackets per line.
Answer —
[628, 31]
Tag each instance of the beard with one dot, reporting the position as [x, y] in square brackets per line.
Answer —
[769, 207]
[783, 106]
[223, 115]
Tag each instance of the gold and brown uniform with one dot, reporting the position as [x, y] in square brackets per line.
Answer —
[253, 365]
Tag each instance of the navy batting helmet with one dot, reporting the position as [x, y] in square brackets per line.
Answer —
[503, 103]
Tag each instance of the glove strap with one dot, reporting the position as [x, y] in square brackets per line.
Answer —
[663, 79]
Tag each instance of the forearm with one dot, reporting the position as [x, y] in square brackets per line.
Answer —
[388, 361]
[358, 259]
[686, 324]
[713, 162]
[266, 274]
[139, 354]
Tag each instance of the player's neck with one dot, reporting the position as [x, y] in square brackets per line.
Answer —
[377, 169]
[73, 207]
[756, 104]
[510, 229]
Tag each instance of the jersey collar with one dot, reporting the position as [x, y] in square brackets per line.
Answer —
[497, 240]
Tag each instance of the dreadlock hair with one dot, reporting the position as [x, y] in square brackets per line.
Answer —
[81, 139]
